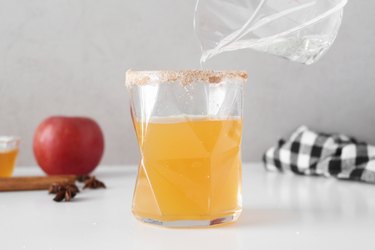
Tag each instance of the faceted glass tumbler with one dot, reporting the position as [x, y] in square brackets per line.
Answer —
[189, 127]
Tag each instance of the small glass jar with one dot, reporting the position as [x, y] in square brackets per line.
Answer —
[189, 128]
[9, 147]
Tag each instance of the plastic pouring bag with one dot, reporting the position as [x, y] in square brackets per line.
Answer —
[298, 30]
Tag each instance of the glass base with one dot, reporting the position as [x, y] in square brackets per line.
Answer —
[191, 223]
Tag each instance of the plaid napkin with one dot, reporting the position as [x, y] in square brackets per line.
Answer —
[310, 153]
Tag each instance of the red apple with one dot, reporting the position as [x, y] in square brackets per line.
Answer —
[68, 145]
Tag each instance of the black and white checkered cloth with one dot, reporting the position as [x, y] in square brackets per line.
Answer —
[310, 153]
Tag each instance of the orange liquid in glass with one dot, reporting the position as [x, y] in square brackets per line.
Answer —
[191, 170]
[7, 162]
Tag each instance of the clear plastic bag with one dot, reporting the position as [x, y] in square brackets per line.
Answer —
[298, 30]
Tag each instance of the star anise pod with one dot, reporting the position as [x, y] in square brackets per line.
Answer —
[63, 191]
[72, 188]
[93, 183]
[59, 196]
[55, 188]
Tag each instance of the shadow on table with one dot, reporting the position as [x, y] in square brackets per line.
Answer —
[115, 172]
[264, 217]
[82, 199]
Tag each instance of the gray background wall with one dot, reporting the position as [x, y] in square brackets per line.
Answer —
[69, 57]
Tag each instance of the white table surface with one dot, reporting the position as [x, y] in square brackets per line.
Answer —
[281, 211]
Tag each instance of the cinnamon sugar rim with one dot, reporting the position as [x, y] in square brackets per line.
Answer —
[182, 76]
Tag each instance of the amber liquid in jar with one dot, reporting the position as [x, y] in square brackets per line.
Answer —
[7, 161]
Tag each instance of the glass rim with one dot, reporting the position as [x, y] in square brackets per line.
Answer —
[9, 142]
[134, 77]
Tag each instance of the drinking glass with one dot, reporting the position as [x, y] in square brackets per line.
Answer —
[189, 127]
